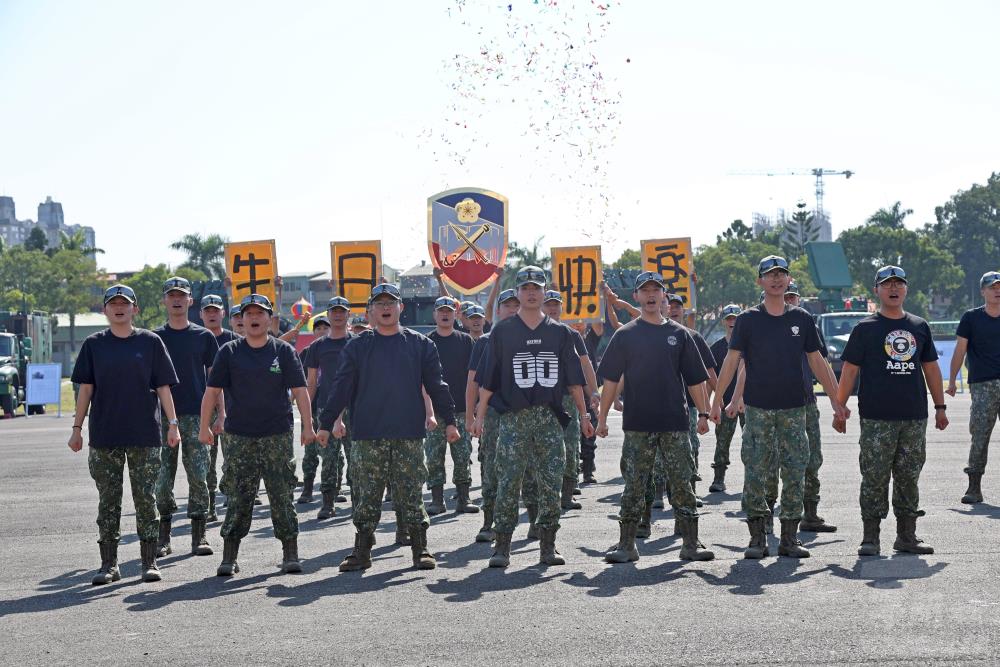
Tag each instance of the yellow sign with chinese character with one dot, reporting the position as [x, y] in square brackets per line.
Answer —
[356, 269]
[577, 273]
[252, 266]
[671, 258]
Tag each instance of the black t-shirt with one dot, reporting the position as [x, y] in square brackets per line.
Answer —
[226, 336]
[593, 341]
[477, 363]
[454, 351]
[983, 333]
[707, 359]
[772, 348]
[530, 367]
[807, 375]
[323, 354]
[379, 378]
[125, 372]
[192, 350]
[658, 362]
[256, 381]
[580, 345]
[889, 353]
[720, 349]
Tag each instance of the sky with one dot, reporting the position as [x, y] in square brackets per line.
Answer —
[312, 122]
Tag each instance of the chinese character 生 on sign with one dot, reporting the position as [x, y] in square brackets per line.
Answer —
[252, 266]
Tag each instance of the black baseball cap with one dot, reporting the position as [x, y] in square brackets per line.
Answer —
[770, 263]
[178, 284]
[989, 278]
[792, 289]
[320, 319]
[258, 300]
[123, 291]
[385, 288]
[445, 302]
[474, 311]
[359, 320]
[672, 297]
[731, 310]
[648, 277]
[530, 275]
[506, 295]
[234, 311]
[212, 301]
[552, 295]
[889, 273]
[338, 302]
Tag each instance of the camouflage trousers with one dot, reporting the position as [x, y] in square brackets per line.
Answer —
[332, 459]
[775, 443]
[249, 460]
[724, 432]
[810, 492]
[196, 457]
[212, 479]
[982, 418]
[107, 467]
[530, 443]
[571, 438]
[588, 447]
[488, 459]
[895, 449]
[659, 466]
[435, 448]
[398, 462]
[639, 450]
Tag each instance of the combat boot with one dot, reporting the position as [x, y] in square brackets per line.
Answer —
[906, 537]
[163, 543]
[692, 549]
[422, 558]
[645, 528]
[327, 510]
[625, 551]
[462, 504]
[230, 550]
[307, 491]
[814, 523]
[790, 545]
[658, 495]
[588, 472]
[361, 557]
[975, 492]
[567, 494]
[758, 539]
[719, 483]
[109, 564]
[212, 516]
[147, 551]
[501, 551]
[402, 536]
[486, 533]
[870, 542]
[199, 544]
[769, 521]
[694, 489]
[436, 505]
[547, 552]
[290, 556]
[577, 491]
[339, 496]
[532, 518]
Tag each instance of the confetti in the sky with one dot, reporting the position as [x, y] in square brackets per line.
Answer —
[536, 67]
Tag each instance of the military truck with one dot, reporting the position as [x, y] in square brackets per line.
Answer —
[24, 338]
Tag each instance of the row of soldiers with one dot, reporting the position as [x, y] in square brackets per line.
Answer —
[524, 387]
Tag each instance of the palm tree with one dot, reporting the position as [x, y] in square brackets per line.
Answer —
[77, 242]
[205, 254]
[891, 217]
[521, 255]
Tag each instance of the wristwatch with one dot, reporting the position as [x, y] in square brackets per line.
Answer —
[172, 422]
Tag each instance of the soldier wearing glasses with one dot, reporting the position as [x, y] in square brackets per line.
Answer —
[380, 375]
[894, 354]
[978, 335]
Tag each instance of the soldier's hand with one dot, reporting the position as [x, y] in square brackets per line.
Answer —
[602, 429]
[173, 436]
[951, 388]
[339, 430]
[219, 427]
[477, 428]
[451, 433]
[702, 426]
[205, 436]
[430, 423]
[840, 411]
[940, 420]
[839, 425]
[308, 436]
[715, 415]
[322, 437]
[618, 405]
[76, 440]
[469, 421]
[586, 427]
[595, 401]
[732, 410]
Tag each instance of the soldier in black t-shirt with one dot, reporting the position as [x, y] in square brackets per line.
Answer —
[125, 375]
[894, 354]
[257, 372]
[771, 339]
[192, 350]
[311, 455]
[979, 334]
[212, 313]
[529, 360]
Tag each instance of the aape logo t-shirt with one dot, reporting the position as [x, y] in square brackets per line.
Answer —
[889, 354]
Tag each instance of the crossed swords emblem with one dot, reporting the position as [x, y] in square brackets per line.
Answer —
[468, 243]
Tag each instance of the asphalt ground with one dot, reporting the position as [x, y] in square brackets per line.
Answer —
[831, 608]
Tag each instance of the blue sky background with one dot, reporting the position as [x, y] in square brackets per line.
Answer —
[316, 121]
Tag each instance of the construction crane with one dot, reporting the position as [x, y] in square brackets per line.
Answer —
[819, 173]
